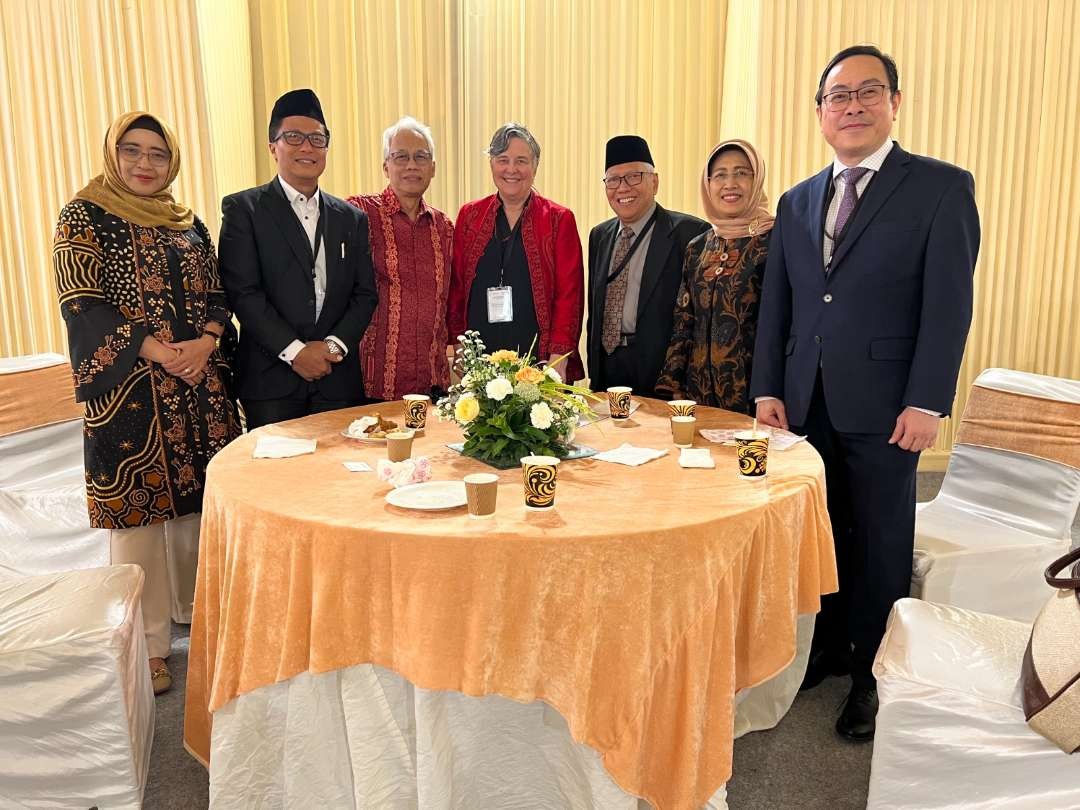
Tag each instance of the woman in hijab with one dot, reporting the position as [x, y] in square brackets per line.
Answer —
[708, 358]
[140, 293]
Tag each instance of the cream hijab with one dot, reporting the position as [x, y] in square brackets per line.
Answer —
[111, 192]
[754, 218]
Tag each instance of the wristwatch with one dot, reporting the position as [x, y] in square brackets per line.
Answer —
[332, 347]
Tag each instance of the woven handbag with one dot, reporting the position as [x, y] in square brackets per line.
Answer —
[1050, 677]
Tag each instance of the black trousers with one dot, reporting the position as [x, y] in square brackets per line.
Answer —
[871, 497]
[306, 401]
[623, 367]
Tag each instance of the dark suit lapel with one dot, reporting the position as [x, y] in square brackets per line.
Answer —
[892, 173]
[819, 192]
[660, 246]
[277, 203]
[333, 238]
[603, 267]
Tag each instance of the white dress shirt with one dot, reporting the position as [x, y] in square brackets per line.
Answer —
[307, 212]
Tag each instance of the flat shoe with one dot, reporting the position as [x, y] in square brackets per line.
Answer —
[161, 679]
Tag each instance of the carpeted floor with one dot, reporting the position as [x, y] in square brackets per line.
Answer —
[801, 763]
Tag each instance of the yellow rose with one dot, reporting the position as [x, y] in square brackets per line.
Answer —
[504, 356]
[529, 375]
[467, 408]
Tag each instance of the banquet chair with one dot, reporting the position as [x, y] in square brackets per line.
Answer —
[76, 704]
[43, 515]
[1008, 499]
[950, 727]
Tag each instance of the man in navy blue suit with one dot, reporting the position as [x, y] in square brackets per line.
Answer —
[865, 310]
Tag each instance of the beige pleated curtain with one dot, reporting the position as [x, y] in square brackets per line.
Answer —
[988, 84]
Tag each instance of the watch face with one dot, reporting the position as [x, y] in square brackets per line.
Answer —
[332, 347]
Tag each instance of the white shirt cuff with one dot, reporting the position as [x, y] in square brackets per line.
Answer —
[340, 343]
[763, 399]
[290, 351]
[924, 410]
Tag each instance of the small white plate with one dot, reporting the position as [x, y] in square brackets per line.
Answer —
[363, 439]
[429, 496]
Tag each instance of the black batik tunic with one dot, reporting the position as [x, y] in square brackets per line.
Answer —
[148, 434]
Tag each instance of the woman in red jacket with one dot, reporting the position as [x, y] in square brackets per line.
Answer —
[517, 272]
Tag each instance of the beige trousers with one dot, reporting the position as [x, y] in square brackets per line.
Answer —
[168, 553]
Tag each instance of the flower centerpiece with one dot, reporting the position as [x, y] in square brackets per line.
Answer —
[509, 407]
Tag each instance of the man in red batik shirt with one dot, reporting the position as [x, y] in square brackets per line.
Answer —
[404, 348]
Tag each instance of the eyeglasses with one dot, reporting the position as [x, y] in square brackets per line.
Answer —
[631, 178]
[868, 96]
[320, 140]
[132, 153]
[421, 159]
[738, 175]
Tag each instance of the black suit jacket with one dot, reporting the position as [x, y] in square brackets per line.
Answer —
[265, 259]
[656, 302]
[887, 326]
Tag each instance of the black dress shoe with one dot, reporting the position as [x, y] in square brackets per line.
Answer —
[859, 717]
[821, 665]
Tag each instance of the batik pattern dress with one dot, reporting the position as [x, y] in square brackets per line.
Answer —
[709, 358]
[148, 435]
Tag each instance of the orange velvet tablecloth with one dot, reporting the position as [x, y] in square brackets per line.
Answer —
[636, 608]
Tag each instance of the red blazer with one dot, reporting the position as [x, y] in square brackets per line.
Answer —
[553, 252]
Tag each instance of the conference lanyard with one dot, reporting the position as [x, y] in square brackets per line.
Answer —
[633, 247]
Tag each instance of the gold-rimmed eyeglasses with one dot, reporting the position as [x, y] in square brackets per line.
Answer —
[133, 154]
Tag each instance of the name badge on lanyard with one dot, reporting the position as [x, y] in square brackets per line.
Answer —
[500, 300]
[500, 304]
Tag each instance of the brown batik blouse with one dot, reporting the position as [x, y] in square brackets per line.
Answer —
[148, 435]
[715, 324]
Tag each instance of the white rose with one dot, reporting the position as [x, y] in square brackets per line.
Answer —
[499, 389]
[540, 415]
[553, 374]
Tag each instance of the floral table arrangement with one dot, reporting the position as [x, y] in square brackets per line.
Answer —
[509, 407]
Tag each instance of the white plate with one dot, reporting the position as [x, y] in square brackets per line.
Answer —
[364, 439]
[429, 496]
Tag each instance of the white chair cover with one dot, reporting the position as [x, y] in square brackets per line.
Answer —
[364, 737]
[1000, 518]
[76, 704]
[950, 729]
[43, 517]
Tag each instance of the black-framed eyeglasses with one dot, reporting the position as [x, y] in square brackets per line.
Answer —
[421, 158]
[631, 178]
[319, 140]
[869, 96]
[132, 153]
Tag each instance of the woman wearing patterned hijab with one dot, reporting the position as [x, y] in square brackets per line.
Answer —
[708, 358]
[139, 291]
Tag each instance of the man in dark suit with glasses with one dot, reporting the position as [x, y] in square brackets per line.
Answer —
[865, 311]
[296, 267]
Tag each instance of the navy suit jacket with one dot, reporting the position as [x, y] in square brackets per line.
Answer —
[265, 260]
[887, 325]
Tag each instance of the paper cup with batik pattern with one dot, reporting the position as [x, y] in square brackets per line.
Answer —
[539, 473]
[416, 408]
[752, 450]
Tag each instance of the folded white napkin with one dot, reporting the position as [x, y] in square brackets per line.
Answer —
[778, 439]
[282, 447]
[356, 466]
[629, 455]
[696, 457]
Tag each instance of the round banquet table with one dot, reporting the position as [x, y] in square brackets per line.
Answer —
[637, 607]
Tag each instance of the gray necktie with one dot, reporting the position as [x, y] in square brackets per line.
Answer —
[847, 203]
